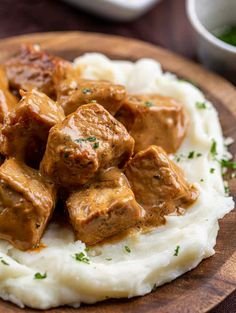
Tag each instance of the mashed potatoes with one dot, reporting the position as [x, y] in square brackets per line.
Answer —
[139, 262]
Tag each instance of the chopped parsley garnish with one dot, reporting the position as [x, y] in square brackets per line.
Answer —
[108, 259]
[201, 180]
[96, 145]
[87, 249]
[213, 149]
[86, 91]
[226, 189]
[154, 287]
[127, 249]
[228, 35]
[228, 164]
[81, 257]
[212, 170]
[148, 104]
[198, 155]
[191, 155]
[179, 158]
[201, 105]
[4, 262]
[40, 276]
[177, 251]
[90, 139]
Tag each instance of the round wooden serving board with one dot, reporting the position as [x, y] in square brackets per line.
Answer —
[215, 278]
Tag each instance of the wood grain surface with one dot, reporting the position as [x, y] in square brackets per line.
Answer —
[215, 278]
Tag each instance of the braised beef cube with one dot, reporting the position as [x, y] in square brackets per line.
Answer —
[158, 184]
[34, 68]
[7, 100]
[72, 93]
[103, 208]
[84, 143]
[27, 201]
[26, 130]
[154, 120]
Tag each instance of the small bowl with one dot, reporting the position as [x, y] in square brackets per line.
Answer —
[206, 17]
[119, 10]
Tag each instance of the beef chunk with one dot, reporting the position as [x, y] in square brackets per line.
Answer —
[7, 100]
[158, 184]
[33, 68]
[26, 130]
[154, 120]
[84, 143]
[26, 204]
[73, 93]
[103, 208]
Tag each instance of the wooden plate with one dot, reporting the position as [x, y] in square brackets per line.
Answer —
[215, 278]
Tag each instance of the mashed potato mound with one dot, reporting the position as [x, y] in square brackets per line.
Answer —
[153, 258]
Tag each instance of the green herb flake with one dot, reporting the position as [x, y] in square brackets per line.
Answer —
[212, 170]
[40, 276]
[226, 190]
[201, 180]
[81, 257]
[108, 259]
[154, 287]
[86, 91]
[179, 158]
[4, 262]
[191, 155]
[213, 149]
[201, 105]
[127, 249]
[228, 164]
[177, 251]
[90, 139]
[198, 155]
[148, 104]
[87, 249]
[228, 35]
[95, 145]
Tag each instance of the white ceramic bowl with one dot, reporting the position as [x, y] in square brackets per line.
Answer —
[120, 10]
[206, 16]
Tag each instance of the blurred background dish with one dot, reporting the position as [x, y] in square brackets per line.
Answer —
[215, 23]
[119, 10]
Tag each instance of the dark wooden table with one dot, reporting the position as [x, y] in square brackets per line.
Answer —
[165, 25]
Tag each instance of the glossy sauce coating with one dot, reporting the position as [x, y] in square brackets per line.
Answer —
[103, 208]
[27, 201]
[33, 68]
[74, 92]
[158, 184]
[154, 120]
[87, 141]
[26, 129]
[113, 173]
